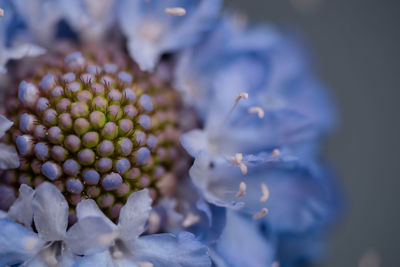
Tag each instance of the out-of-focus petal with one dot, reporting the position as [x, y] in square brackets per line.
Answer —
[5, 124]
[152, 32]
[21, 209]
[50, 212]
[134, 215]
[99, 259]
[194, 142]
[182, 250]
[17, 243]
[8, 157]
[91, 18]
[242, 244]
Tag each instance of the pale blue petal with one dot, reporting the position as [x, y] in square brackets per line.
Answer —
[47, 12]
[100, 259]
[17, 243]
[5, 125]
[151, 32]
[166, 250]
[90, 18]
[21, 209]
[242, 243]
[194, 142]
[50, 212]
[88, 236]
[89, 208]
[134, 215]
[8, 157]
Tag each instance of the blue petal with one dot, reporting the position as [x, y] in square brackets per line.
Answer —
[151, 32]
[242, 244]
[5, 125]
[9, 158]
[100, 259]
[17, 243]
[161, 250]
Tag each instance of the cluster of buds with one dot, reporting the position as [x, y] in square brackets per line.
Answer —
[96, 127]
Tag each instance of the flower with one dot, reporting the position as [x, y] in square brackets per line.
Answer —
[121, 243]
[152, 32]
[93, 236]
[99, 117]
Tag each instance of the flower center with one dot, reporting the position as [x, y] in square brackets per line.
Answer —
[96, 127]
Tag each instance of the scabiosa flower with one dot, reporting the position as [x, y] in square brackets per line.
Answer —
[94, 125]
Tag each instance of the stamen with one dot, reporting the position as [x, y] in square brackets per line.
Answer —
[275, 264]
[1, 12]
[145, 264]
[175, 11]
[265, 193]
[275, 153]
[238, 161]
[241, 95]
[242, 190]
[190, 220]
[117, 254]
[154, 222]
[260, 214]
[257, 110]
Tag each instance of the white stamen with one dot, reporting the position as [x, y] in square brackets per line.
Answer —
[265, 193]
[190, 220]
[145, 264]
[175, 11]
[260, 214]
[275, 153]
[257, 110]
[106, 239]
[30, 244]
[237, 160]
[1, 12]
[242, 190]
[241, 95]
[275, 264]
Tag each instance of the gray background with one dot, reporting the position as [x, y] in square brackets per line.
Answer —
[356, 45]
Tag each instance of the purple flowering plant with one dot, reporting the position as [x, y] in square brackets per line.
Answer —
[158, 133]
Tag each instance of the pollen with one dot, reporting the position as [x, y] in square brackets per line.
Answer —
[237, 160]
[264, 192]
[260, 214]
[242, 190]
[257, 110]
[175, 11]
[1, 12]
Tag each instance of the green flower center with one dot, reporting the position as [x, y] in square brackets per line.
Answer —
[96, 127]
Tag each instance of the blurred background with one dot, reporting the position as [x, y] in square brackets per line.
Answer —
[356, 45]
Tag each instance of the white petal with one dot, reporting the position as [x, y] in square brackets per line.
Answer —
[8, 157]
[134, 215]
[21, 209]
[50, 212]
